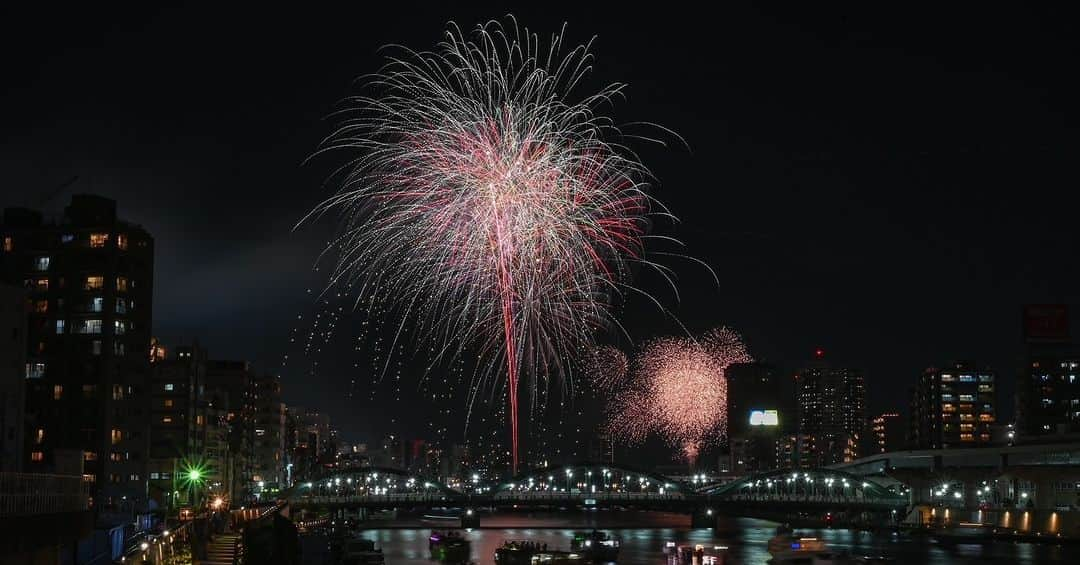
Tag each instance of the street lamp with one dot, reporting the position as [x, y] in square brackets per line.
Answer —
[194, 473]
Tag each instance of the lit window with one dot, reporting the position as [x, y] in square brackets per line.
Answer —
[41, 264]
[37, 456]
[155, 476]
[95, 282]
[986, 378]
[67, 238]
[166, 419]
[96, 304]
[121, 241]
[967, 378]
[121, 306]
[168, 403]
[35, 370]
[119, 327]
[260, 432]
[39, 436]
[169, 386]
[946, 378]
[41, 306]
[59, 326]
[88, 326]
[116, 456]
[121, 284]
[41, 284]
[117, 436]
[98, 239]
[199, 420]
[967, 398]
[57, 392]
[9, 244]
[117, 392]
[89, 456]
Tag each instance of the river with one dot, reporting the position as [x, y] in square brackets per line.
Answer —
[644, 534]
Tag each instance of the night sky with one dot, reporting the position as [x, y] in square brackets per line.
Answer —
[891, 187]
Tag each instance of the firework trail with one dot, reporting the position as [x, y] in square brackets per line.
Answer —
[678, 390]
[488, 204]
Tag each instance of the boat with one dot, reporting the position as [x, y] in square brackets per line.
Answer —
[788, 547]
[522, 552]
[698, 554]
[359, 551]
[596, 545]
[449, 546]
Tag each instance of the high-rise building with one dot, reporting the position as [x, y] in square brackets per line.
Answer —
[832, 414]
[952, 407]
[269, 435]
[178, 422]
[12, 376]
[1048, 384]
[89, 277]
[886, 433]
[760, 410]
[229, 387]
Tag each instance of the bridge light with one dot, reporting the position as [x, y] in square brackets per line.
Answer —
[957, 495]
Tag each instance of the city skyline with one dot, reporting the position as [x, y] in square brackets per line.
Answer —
[817, 286]
[558, 283]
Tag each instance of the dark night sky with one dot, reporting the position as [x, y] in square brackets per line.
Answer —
[891, 187]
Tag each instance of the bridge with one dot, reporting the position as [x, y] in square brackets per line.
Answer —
[1029, 487]
[777, 494]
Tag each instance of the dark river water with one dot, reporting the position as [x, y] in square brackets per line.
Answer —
[643, 537]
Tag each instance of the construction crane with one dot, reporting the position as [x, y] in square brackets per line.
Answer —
[56, 191]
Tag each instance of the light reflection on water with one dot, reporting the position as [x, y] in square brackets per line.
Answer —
[643, 536]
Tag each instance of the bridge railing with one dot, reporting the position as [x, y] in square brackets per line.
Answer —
[810, 498]
[346, 498]
[606, 496]
[26, 494]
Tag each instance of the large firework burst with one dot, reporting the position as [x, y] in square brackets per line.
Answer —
[487, 203]
[678, 390]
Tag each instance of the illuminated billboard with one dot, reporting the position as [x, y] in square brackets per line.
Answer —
[764, 418]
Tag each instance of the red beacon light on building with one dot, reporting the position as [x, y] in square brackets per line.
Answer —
[819, 353]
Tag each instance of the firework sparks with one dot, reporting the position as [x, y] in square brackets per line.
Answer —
[488, 204]
[678, 390]
[606, 367]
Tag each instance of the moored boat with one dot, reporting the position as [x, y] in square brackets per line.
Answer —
[449, 546]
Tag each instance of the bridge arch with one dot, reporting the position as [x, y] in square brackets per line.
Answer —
[814, 484]
[370, 481]
[588, 476]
